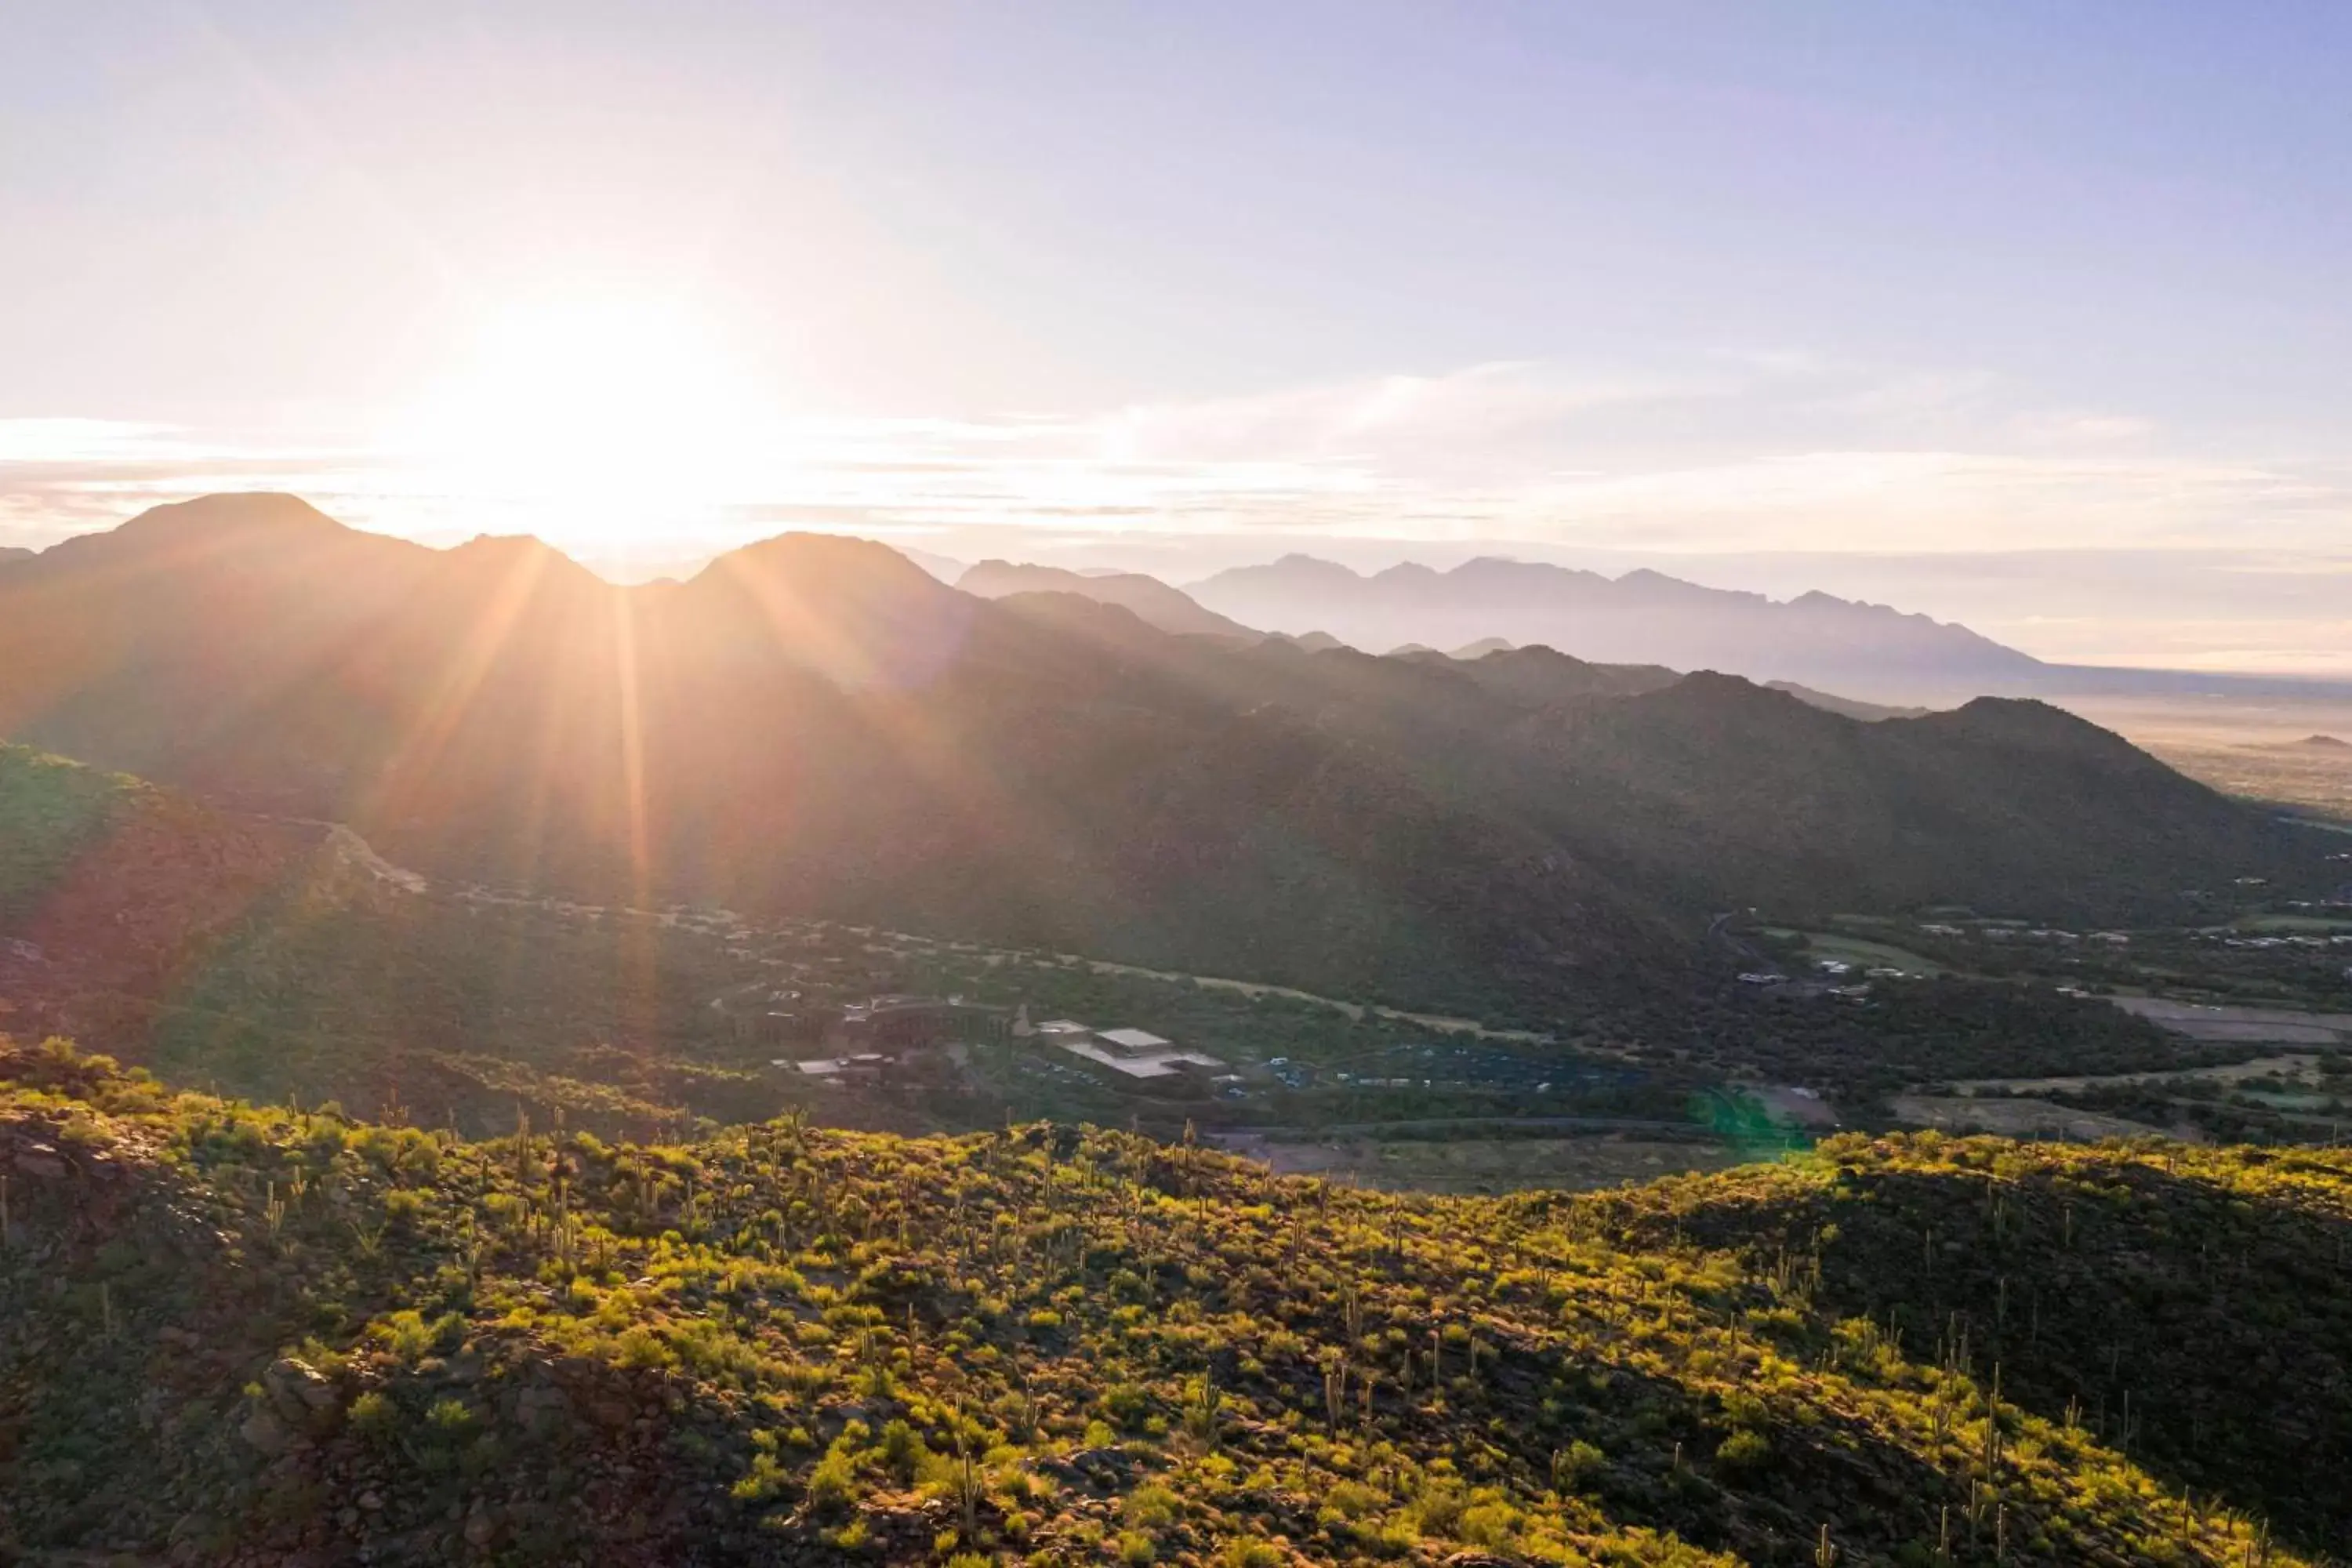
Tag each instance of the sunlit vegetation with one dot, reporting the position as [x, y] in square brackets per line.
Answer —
[282, 1330]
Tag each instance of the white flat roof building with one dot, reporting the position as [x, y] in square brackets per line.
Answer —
[1159, 1063]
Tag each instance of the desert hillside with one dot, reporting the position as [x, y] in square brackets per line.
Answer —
[272, 1335]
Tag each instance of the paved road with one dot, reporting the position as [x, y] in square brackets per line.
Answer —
[1719, 934]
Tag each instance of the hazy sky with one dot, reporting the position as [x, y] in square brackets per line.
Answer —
[1199, 281]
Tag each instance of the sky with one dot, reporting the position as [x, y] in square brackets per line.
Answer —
[2025, 314]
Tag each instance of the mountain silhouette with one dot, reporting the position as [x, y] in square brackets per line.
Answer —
[1153, 602]
[815, 724]
[1641, 617]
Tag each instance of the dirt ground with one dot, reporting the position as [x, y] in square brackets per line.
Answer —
[2284, 1026]
[2022, 1119]
[1494, 1165]
[2290, 1067]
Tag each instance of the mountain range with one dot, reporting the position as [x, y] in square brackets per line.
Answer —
[1152, 601]
[813, 725]
[1641, 617]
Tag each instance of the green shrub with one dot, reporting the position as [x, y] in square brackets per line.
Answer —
[1745, 1450]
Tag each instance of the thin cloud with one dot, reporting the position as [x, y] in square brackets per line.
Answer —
[1725, 454]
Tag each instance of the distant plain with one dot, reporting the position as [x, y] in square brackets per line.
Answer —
[2257, 747]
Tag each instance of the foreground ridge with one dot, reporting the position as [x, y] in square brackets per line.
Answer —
[276, 1335]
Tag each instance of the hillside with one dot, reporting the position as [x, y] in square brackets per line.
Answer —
[271, 1337]
[813, 725]
[2008, 805]
[1153, 602]
[112, 892]
[1641, 617]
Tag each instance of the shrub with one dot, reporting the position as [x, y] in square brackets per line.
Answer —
[833, 1485]
[903, 1450]
[1576, 1466]
[374, 1416]
[641, 1350]
[1745, 1450]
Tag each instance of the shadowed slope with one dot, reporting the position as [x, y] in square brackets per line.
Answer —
[2187, 1305]
[815, 724]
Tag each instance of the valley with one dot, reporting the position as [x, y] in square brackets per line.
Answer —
[354, 981]
[2292, 752]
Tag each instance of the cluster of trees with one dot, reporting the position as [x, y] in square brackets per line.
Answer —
[2211, 957]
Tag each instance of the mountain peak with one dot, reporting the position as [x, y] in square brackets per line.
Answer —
[857, 611]
[830, 563]
[519, 552]
[239, 510]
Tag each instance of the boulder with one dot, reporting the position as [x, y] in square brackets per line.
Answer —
[266, 1431]
[299, 1392]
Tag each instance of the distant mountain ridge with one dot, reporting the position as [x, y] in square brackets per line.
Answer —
[1641, 617]
[813, 725]
[1851, 708]
[1153, 602]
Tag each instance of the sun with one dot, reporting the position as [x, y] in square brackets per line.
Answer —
[602, 415]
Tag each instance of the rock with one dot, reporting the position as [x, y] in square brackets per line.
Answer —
[1098, 1466]
[266, 1431]
[40, 1161]
[298, 1392]
[540, 1407]
[480, 1527]
[371, 1502]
